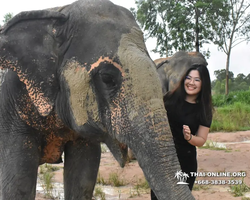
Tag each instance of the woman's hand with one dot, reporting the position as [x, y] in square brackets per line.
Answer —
[187, 133]
[199, 138]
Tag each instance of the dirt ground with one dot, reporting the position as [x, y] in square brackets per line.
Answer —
[235, 159]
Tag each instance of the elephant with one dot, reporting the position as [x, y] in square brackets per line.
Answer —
[171, 69]
[76, 76]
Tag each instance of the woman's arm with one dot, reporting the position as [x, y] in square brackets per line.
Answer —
[200, 138]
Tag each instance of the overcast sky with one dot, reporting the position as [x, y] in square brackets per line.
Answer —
[240, 56]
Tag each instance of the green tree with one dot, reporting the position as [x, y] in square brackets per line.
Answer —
[247, 79]
[218, 85]
[7, 17]
[221, 74]
[243, 86]
[232, 30]
[178, 24]
[240, 82]
[239, 78]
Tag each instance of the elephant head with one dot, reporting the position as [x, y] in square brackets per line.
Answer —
[171, 69]
[87, 62]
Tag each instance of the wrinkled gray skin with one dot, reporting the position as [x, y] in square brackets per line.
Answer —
[171, 69]
[77, 76]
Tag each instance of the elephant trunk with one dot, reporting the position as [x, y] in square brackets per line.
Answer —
[152, 143]
[139, 120]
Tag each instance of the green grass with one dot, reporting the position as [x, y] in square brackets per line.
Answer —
[115, 180]
[234, 117]
[245, 198]
[48, 184]
[99, 193]
[240, 189]
[141, 186]
[100, 179]
[232, 112]
[46, 179]
[211, 145]
[48, 168]
[231, 98]
[46, 175]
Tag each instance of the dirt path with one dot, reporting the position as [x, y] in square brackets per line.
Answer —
[234, 160]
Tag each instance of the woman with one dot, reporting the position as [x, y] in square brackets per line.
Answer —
[189, 111]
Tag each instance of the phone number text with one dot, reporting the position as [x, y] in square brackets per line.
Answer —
[218, 182]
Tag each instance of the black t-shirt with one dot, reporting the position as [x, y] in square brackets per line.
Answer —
[185, 114]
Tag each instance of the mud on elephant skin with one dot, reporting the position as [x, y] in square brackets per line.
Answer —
[74, 79]
[171, 69]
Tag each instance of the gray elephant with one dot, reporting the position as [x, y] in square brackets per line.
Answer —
[77, 76]
[171, 69]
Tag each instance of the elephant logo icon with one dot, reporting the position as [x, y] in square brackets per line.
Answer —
[182, 177]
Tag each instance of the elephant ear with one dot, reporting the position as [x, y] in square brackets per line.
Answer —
[29, 45]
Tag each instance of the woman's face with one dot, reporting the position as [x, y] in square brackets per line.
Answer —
[192, 83]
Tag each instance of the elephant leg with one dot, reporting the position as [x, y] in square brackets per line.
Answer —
[82, 160]
[19, 161]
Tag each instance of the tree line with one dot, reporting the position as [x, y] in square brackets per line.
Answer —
[239, 83]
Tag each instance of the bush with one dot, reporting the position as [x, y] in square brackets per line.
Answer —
[234, 117]
[232, 111]
[231, 98]
[115, 180]
[240, 189]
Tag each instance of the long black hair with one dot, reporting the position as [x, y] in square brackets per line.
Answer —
[178, 95]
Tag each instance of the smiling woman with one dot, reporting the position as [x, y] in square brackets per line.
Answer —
[192, 85]
[189, 111]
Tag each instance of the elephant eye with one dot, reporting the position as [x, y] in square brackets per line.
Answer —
[108, 80]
